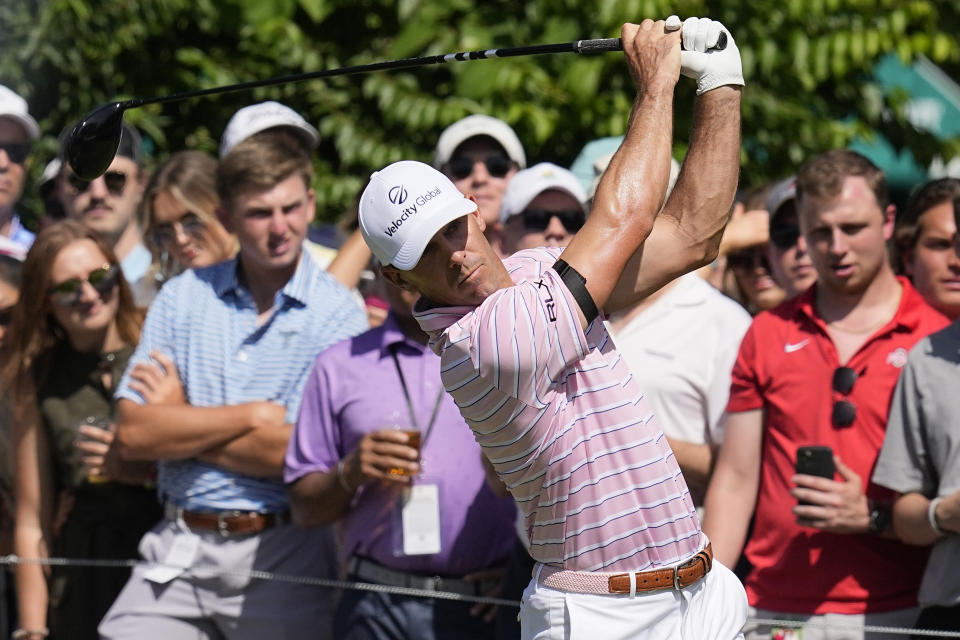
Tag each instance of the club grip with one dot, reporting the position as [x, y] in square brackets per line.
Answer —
[599, 45]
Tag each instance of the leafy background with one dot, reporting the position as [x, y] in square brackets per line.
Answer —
[807, 63]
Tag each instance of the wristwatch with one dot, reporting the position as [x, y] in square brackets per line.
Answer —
[879, 517]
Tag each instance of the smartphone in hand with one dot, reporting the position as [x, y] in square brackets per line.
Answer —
[815, 461]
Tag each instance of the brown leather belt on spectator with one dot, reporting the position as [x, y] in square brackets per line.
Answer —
[683, 575]
[227, 523]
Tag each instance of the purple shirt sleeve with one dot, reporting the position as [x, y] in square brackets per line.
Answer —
[315, 444]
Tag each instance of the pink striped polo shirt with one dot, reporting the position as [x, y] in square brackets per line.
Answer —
[566, 427]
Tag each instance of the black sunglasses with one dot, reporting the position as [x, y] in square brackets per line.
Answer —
[497, 164]
[785, 237]
[16, 151]
[116, 182]
[190, 224]
[69, 292]
[844, 411]
[6, 316]
[539, 219]
[747, 259]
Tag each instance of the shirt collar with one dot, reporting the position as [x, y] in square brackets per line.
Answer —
[226, 280]
[392, 334]
[909, 314]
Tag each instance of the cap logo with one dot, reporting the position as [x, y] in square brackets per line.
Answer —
[397, 195]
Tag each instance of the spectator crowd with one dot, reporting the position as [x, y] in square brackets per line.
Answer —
[190, 380]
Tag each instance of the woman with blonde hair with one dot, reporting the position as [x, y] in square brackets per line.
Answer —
[72, 332]
[178, 216]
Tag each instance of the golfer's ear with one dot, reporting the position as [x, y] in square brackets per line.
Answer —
[395, 277]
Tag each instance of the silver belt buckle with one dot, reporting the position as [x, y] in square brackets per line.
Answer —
[676, 577]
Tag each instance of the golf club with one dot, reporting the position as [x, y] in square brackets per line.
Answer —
[93, 142]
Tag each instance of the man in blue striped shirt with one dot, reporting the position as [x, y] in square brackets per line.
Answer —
[232, 345]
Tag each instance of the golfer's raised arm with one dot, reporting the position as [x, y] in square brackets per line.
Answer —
[631, 191]
[686, 233]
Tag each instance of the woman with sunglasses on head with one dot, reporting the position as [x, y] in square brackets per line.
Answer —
[178, 216]
[73, 330]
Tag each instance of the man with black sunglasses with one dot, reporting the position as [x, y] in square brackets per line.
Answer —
[819, 370]
[543, 206]
[108, 205]
[18, 130]
[481, 154]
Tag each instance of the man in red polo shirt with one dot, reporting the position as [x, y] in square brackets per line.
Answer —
[820, 370]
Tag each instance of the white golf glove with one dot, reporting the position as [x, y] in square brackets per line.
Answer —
[711, 69]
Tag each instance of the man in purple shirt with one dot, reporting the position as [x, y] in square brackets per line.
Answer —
[404, 522]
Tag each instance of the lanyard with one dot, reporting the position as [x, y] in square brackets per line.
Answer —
[406, 396]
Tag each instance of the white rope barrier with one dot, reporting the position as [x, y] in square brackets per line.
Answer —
[14, 560]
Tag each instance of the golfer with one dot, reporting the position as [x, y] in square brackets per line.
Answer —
[526, 357]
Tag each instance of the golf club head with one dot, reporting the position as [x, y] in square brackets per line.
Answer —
[93, 143]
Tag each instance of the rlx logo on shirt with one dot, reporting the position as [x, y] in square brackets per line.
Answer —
[548, 301]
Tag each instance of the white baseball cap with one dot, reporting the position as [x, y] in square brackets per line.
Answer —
[14, 107]
[478, 125]
[529, 183]
[265, 115]
[403, 206]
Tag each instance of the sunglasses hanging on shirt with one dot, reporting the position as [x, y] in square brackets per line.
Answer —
[844, 411]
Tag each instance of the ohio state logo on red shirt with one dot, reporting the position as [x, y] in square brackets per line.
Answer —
[897, 357]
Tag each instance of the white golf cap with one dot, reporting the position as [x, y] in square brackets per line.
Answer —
[265, 115]
[402, 208]
[14, 107]
[478, 125]
[529, 183]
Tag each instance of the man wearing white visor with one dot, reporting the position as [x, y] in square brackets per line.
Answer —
[543, 206]
[527, 359]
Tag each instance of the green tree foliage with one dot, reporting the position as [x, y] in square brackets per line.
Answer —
[807, 64]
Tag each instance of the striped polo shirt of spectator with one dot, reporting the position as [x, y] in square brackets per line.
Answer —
[566, 427]
[206, 321]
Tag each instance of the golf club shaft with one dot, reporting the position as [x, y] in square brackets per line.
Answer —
[578, 46]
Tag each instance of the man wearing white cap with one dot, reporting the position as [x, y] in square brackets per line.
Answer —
[259, 117]
[481, 154]
[543, 206]
[527, 359]
[18, 130]
[269, 116]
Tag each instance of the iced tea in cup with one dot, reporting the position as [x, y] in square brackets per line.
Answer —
[413, 440]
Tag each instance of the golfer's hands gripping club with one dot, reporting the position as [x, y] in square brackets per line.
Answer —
[653, 56]
[701, 60]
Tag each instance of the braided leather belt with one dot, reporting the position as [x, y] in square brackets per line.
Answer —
[227, 523]
[679, 577]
